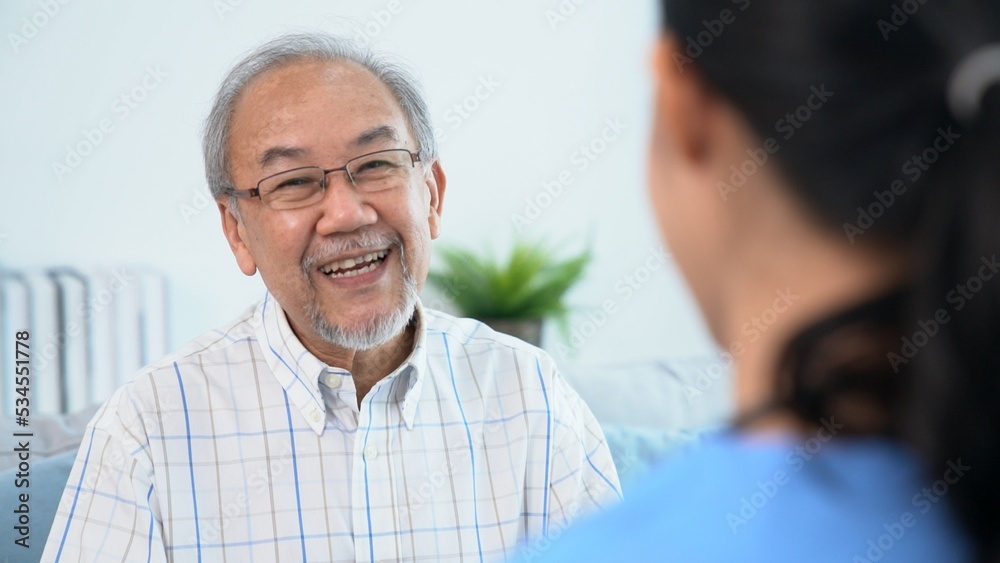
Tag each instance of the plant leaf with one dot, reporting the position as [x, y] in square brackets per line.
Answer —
[530, 285]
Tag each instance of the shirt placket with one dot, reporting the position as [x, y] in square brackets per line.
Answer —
[374, 508]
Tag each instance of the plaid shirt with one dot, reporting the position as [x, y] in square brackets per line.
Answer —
[243, 446]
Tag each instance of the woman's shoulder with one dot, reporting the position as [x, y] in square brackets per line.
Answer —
[778, 498]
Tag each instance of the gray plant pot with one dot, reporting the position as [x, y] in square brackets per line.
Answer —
[528, 330]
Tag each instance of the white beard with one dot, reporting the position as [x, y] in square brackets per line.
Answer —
[382, 326]
[378, 330]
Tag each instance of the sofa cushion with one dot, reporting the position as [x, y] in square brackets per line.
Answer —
[46, 481]
[52, 435]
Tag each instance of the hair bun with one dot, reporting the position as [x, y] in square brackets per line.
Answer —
[974, 77]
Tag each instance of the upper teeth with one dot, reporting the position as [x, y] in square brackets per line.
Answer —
[352, 262]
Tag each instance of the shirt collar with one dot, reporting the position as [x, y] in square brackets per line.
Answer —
[295, 368]
[298, 370]
[415, 368]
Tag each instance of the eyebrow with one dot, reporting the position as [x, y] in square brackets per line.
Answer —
[274, 153]
[379, 133]
[369, 137]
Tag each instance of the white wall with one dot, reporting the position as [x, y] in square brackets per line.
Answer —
[134, 199]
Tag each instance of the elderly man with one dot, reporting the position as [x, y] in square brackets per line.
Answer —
[337, 420]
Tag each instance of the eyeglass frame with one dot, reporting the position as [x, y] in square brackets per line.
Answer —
[415, 157]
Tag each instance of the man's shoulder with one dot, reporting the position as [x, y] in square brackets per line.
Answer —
[236, 333]
[473, 333]
[209, 348]
[145, 392]
[471, 346]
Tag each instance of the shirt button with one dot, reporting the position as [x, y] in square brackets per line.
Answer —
[332, 380]
[371, 452]
[315, 415]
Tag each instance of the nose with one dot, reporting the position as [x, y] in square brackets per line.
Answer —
[343, 207]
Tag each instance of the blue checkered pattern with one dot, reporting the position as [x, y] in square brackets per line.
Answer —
[243, 446]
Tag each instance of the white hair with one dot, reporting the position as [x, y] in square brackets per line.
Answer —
[292, 48]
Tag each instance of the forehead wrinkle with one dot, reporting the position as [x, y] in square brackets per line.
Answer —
[375, 134]
[366, 88]
[275, 153]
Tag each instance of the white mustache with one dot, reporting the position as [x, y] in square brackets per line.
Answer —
[364, 241]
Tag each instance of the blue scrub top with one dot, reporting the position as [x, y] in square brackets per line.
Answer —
[755, 497]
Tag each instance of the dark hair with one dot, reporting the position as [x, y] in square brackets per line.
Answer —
[920, 364]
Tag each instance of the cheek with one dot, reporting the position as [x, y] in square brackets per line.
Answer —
[281, 240]
[662, 196]
[684, 223]
[412, 223]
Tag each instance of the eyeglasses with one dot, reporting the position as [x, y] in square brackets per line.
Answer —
[301, 187]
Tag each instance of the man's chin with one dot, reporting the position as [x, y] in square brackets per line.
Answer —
[356, 327]
[363, 332]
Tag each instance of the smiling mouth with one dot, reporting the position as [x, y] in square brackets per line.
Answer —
[351, 267]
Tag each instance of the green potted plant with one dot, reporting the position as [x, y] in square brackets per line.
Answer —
[515, 297]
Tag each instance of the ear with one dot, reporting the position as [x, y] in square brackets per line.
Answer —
[682, 100]
[436, 183]
[236, 234]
